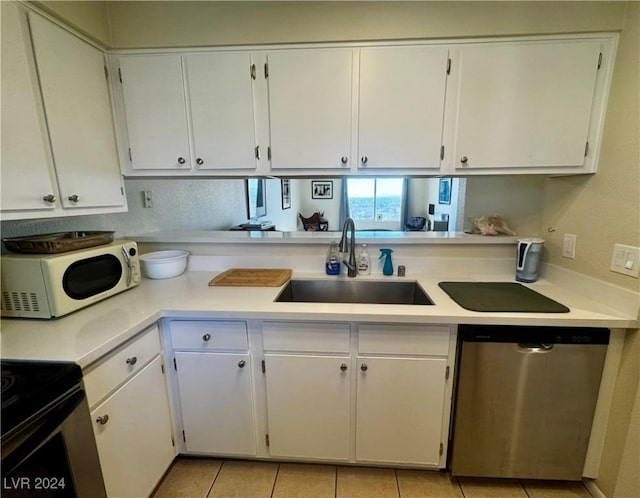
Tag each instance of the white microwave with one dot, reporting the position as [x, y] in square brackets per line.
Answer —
[53, 285]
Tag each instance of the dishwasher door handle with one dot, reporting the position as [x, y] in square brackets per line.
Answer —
[528, 348]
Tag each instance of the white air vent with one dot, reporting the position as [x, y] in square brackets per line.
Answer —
[20, 301]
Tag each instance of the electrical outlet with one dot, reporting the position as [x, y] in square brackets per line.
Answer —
[147, 199]
[569, 246]
[626, 260]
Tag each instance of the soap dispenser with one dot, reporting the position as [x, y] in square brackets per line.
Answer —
[387, 267]
[364, 266]
[332, 265]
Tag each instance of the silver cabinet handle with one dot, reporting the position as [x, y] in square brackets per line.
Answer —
[49, 198]
[132, 361]
[364, 367]
[181, 160]
[364, 159]
[344, 159]
[343, 367]
[74, 198]
[103, 420]
[241, 363]
[199, 161]
[464, 159]
[206, 337]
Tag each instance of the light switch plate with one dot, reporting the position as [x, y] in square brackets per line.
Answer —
[626, 260]
[569, 246]
[147, 198]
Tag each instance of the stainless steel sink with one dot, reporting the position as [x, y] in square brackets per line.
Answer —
[353, 291]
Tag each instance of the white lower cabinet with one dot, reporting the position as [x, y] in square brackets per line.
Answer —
[213, 376]
[404, 393]
[131, 418]
[133, 433]
[308, 406]
[328, 391]
[217, 402]
[400, 405]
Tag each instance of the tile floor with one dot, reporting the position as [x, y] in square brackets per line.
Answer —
[211, 478]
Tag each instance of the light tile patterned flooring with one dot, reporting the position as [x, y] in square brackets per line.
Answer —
[211, 478]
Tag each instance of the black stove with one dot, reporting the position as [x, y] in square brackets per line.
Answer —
[28, 387]
[48, 447]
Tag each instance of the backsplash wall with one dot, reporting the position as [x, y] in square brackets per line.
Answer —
[183, 204]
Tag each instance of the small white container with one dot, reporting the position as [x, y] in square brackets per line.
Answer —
[164, 264]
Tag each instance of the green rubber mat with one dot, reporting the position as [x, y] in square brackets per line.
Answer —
[501, 297]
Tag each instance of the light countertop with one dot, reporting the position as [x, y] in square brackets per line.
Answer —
[88, 334]
[317, 237]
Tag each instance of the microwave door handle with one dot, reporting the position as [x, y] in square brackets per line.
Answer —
[127, 260]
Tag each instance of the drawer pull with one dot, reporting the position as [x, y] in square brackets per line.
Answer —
[206, 337]
[241, 363]
[103, 419]
[343, 367]
[132, 361]
[364, 367]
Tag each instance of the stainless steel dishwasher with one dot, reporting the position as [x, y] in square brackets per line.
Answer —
[525, 400]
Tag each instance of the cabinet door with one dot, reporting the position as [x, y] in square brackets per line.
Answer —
[217, 403]
[221, 102]
[308, 406]
[156, 116]
[523, 104]
[78, 109]
[401, 106]
[27, 173]
[400, 406]
[135, 441]
[310, 108]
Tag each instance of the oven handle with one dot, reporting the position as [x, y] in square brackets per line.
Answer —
[22, 444]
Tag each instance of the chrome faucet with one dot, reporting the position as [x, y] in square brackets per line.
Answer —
[349, 225]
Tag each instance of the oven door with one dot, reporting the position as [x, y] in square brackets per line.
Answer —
[54, 453]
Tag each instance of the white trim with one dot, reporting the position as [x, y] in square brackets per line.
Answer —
[394, 43]
[600, 423]
[66, 27]
[592, 487]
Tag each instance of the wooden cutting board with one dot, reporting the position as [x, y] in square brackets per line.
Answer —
[252, 277]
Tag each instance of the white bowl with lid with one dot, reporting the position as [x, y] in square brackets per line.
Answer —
[164, 264]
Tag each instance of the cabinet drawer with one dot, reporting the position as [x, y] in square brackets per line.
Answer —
[209, 335]
[306, 336]
[121, 364]
[403, 339]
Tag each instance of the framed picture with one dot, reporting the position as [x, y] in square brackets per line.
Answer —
[285, 184]
[322, 189]
[444, 192]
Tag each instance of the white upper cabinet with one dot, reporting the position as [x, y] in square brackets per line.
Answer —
[401, 106]
[188, 113]
[523, 105]
[59, 154]
[222, 115]
[77, 104]
[27, 171]
[310, 108]
[493, 106]
[156, 115]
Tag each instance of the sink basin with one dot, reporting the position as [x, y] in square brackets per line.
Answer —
[353, 291]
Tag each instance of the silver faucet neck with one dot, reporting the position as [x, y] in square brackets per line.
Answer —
[349, 227]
